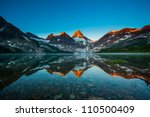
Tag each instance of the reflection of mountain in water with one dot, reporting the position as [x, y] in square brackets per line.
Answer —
[128, 66]
[12, 67]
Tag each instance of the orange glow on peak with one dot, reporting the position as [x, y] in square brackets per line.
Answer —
[113, 32]
[78, 33]
[78, 73]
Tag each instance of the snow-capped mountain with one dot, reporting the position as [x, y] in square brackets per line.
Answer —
[77, 43]
[62, 38]
[13, 40]
[63, 41]
[83, 42]
[79, 37]
[127, 37]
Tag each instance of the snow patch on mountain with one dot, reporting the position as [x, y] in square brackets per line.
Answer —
[79, 39]
[40, 40]
[2, 28]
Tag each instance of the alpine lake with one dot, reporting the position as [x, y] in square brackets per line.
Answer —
[75, 76]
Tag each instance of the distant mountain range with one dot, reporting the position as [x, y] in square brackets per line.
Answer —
[77, 43]
[13, 40]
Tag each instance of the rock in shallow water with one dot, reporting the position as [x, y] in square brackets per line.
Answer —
[83, 93]
[96, 98]
[58, 97]
[72, 96]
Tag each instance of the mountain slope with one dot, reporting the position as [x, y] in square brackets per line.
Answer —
[62, 38]
[127, 39]
[63, 41]
[13, 40]
[78, 36]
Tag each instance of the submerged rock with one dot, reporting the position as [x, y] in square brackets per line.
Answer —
[58, 97]
[72, 96]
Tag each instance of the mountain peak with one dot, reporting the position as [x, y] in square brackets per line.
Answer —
[124, 30]
[78, 33]
[129, 30]
[2, 21]
[113, 32]
[50, 36]
[63, 34]
[79, 72]
[60, 35]
[146, 27]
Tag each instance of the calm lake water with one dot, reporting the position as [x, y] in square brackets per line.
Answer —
[80, 76]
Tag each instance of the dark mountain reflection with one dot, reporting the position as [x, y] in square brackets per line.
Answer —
[14, 67]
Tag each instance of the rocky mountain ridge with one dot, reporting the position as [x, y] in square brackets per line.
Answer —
[13, 40]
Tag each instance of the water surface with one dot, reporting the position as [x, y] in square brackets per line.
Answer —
[81, 76]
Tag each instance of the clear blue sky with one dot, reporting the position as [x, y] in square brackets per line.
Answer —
[93, 17]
